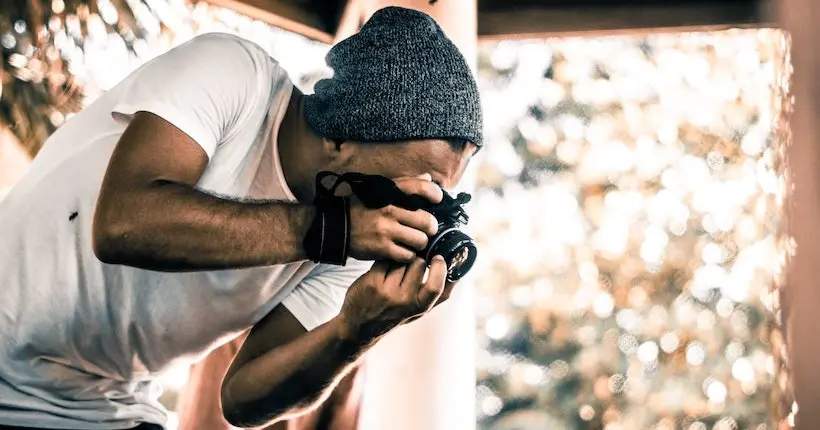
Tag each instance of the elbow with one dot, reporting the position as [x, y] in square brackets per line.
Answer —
[250, 415]
[243, 421]
[235, 418]
[107, 239]
[235, 415]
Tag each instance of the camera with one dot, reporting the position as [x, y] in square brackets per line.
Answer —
[458, 249]
[376, 191]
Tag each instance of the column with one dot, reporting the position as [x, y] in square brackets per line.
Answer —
[802, 294]
[422, 376]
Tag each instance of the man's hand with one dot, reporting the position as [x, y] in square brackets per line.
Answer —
[282, 370]
[391, 294]
[394, 233]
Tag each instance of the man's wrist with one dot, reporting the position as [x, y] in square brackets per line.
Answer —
[300, 217]
[362, 334]
[344, 329]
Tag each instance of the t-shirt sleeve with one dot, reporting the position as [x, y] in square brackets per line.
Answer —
[319, 297]
[205, 87]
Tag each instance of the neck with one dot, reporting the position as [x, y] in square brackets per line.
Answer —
[299, 150]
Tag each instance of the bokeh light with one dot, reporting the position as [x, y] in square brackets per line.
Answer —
[629, 215]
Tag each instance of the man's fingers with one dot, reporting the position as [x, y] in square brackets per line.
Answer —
[448, 288]
[434, 287]
[414, 274]
[410, 237]
[395, 274]
[400, 254]
[422, 187]
[379, 269]
[425, 176]
[419, 220]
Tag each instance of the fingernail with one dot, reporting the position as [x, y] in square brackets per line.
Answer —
[426, 176]
[439, 258]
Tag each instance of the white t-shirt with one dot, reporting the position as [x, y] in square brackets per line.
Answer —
[82, 342]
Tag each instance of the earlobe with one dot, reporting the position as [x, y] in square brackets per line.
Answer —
[332, 146]
[338, 151]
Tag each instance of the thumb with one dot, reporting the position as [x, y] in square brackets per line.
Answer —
[425, 176]
[430, 291]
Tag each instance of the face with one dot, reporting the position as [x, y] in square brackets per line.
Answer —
[403, 159]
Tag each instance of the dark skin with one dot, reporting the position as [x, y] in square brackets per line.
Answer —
[151, 215]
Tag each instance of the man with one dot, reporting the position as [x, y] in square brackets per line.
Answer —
[176, 212]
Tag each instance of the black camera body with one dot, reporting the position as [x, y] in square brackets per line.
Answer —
[457, 248]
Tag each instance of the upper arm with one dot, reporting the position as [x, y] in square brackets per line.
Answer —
[178, 107]
[278, 327]
[316, 300]
[152, 149]
[204, 88]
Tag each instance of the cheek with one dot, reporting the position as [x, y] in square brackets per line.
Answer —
[387, 164]
[368, 163]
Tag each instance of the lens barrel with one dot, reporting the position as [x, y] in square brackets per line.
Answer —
[458, 250]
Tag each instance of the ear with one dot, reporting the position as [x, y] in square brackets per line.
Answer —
[337, 150]
[331, 145]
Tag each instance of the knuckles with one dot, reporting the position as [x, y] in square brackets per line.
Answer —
[403, 257]
[389, 211]
[381, 227]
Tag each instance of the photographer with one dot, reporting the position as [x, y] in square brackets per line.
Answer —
[182, 208]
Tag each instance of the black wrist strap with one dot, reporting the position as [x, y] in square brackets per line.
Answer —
[327, 238]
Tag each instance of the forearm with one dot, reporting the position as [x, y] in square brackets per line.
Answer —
[174, 227]
[292, 378]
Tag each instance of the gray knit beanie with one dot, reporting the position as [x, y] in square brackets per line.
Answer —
[399, 78]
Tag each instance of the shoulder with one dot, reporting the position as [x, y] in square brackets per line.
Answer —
[232, 51]
[223, 43]
[241, 67]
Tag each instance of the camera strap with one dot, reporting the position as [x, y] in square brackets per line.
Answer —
[375, 191]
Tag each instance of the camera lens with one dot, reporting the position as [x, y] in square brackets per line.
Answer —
[458, 250]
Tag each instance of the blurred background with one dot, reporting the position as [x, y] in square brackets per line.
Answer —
[628, 206]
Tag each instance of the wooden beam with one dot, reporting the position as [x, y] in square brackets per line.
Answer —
[546, 21]
[282, 14]
[328, 21]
